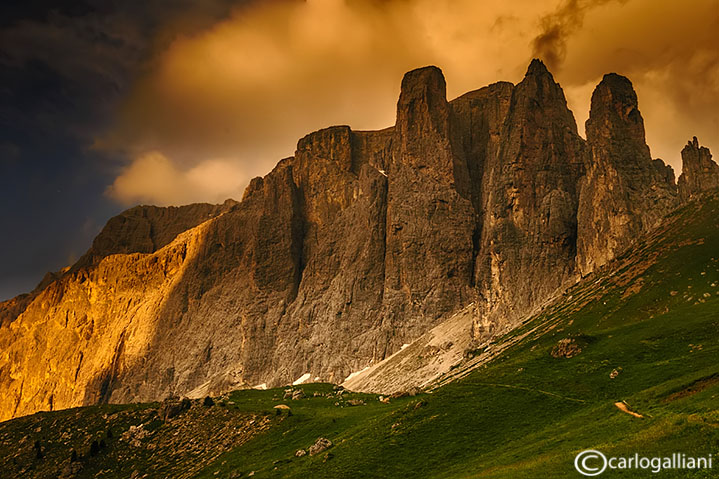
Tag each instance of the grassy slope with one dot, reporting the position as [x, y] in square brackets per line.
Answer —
[653, 316]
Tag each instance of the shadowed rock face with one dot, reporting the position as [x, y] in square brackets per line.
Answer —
[699, 172]
[359, 243]
[529, 229]
[430, 217]
[624, 192]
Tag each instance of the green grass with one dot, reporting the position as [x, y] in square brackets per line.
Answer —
[527, 414]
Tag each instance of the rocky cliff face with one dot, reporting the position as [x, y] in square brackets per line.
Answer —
[527, 245]
[358, 244]
[430, 217]
[699, 172]
[624, 193]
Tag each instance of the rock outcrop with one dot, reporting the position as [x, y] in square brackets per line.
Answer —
[699, 172]
[527, 244]
[146, 229]
[360, 243]
[624, 192]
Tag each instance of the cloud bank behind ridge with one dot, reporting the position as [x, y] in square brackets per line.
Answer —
[223, 104]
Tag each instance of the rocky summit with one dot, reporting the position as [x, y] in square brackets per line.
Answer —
[700, 173]
[360, 243]
[624, 192]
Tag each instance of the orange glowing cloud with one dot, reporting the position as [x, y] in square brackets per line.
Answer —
[248, 87]
[152, 178]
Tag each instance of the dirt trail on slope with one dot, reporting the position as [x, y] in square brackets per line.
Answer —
[622, 406]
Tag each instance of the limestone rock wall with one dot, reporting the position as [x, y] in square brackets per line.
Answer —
[358, 244]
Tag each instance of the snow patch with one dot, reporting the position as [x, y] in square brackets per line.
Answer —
[356, 373]
[302, 379]
[262, 386]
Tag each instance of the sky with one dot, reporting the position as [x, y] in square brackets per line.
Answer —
[105, 104]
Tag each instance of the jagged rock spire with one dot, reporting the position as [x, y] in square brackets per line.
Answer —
[529, 228]
[699, 172]
[422, 127]
[624, 192]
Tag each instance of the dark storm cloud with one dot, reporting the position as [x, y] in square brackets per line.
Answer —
[64, 69]
[92, 51]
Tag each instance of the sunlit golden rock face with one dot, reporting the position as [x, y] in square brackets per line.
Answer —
[358, 244]
[58, 352]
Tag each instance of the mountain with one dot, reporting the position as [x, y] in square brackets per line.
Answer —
[360, 243]
[623, 362]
